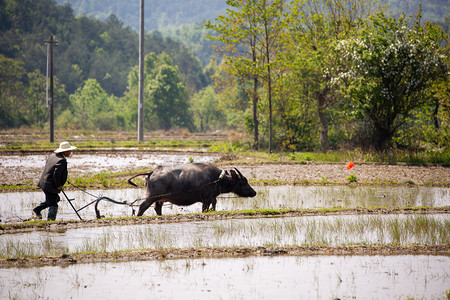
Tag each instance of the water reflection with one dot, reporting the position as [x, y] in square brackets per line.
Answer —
[280, 277]
[306, 197]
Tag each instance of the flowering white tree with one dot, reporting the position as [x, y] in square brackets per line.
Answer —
[387, 70]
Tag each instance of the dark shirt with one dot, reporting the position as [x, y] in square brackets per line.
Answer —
[54, 174]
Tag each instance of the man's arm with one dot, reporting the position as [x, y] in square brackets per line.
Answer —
[60, 174]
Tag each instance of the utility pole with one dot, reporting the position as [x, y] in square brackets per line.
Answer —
[141, 76]
[50, 101]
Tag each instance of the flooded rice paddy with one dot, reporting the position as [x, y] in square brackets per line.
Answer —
[27, 168]
[106, 162]
[16, 206]
[279, 277]
[253, 277]
[400, 229]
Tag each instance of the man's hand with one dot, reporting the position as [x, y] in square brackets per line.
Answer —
[60, 188]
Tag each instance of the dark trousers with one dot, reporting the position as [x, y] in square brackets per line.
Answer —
[51, 202]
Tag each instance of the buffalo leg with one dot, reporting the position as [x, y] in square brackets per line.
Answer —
[205, 204]
[158, 208]
[145, 205]
[213, 202]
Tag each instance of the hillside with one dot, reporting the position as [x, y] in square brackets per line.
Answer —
[105, 50]
[174, 13]
[158, 14]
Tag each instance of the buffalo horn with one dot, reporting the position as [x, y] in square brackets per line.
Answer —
[240, 174]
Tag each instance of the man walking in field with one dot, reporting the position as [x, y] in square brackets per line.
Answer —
[53, 179]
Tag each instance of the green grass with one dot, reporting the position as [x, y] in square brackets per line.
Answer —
[96, 145]
[235, 148]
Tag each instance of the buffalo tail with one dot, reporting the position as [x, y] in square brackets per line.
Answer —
[141, 174]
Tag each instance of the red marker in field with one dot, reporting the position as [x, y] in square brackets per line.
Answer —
[350, 165]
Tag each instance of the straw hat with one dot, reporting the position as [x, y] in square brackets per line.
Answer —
[65, 146]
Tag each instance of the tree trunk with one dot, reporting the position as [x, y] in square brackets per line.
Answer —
[325, 144]
[270, 110]
[321, 98]
[255, 114]
[383, 137]
[435, 115]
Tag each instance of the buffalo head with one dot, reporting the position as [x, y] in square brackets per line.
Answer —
[241, 186]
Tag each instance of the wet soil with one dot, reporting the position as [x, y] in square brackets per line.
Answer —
[366, 173]
[260, 172]
[219, 252]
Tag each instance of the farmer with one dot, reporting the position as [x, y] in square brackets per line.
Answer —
[52, 180]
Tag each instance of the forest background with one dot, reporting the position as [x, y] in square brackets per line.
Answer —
[295, 96]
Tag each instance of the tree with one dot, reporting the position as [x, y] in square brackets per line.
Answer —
[388, 69]
[314, 26]
[37, 112]
[205, 107]
[238, 33]
[11, 92]
[87, 103]
[23, 96]
[166, 96]
[87, 48]
[270, 17]
[249, 33]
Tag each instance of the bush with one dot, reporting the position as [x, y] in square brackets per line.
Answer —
[352, 178]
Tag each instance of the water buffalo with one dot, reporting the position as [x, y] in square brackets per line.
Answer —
[190, 183]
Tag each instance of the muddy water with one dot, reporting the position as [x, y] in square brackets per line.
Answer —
[305, 197]
[324, 230]
[15, 207]
[279, 277]
[23, 168]
[105, 162]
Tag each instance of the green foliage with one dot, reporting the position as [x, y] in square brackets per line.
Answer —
[352, 178]
[87, 102]
[165, 94]
[173, 14]
[252, 29]
[313, 26]
[206, 111]
[388, 69]
[274, 79]
[87, 48]
[35, 96]
[11, 91]
[92, 108]
[23, 97]
[158, 15]
[193, 36]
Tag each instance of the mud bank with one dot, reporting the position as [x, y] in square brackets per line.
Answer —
[221, 252]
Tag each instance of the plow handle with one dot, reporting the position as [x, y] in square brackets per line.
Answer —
[70, 202]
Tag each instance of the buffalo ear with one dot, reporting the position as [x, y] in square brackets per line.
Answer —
[234, 175]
